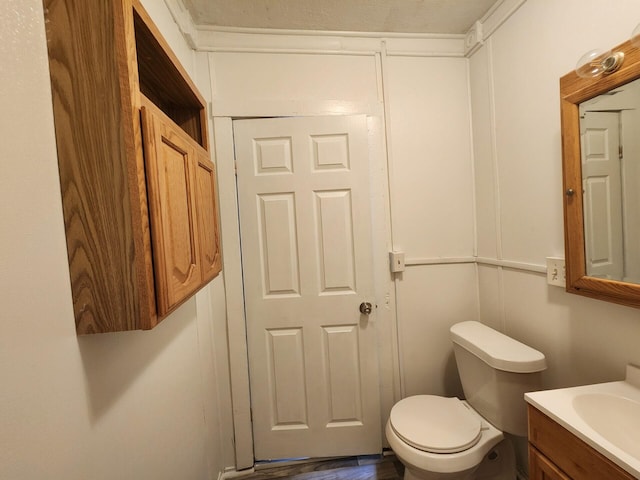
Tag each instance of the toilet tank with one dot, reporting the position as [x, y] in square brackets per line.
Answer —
[496, 371]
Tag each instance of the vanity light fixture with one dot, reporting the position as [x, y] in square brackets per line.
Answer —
[598, 62]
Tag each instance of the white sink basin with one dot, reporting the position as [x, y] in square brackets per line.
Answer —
[605, 415]
[614, 417]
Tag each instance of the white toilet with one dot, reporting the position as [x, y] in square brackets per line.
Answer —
[438, 438]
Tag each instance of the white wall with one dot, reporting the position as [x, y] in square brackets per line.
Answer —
[130, 405]
[517, 151]
[431, 189]
[514, 81]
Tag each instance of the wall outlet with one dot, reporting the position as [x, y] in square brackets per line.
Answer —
[556, 272]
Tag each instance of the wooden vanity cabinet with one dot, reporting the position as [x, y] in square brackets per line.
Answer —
[140, 209]
[557, 454]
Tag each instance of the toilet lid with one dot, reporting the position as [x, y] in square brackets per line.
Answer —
[435, 424]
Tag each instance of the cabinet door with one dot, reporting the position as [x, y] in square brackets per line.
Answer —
[542, 469]
[210, 254]
[170, 165]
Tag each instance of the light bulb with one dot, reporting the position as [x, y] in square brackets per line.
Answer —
[591, 64]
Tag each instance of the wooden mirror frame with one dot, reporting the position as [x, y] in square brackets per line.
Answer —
[573, 91]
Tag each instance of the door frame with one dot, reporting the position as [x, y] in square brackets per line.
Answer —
[384, 291]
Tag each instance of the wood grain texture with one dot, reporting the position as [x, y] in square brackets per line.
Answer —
[183, 209]
[208, 224]
[96, 82]
[163, 79]
[576, 459]
[541, 468]
[94, 135]
[126, 48]
[171, 179]
[573, 91]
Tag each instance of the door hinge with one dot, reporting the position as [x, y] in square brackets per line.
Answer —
[620, 152]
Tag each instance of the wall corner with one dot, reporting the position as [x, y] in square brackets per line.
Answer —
[185, 22]
[474, 39]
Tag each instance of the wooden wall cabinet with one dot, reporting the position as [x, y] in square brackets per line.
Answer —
[557, 454]
[140, 205]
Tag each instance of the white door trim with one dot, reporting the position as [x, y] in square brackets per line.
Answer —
[232, 270]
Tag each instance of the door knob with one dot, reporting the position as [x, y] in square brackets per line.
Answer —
[365, 308]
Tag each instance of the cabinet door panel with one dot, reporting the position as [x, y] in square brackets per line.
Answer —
[170, 165]
[542, 469]
[208, 217]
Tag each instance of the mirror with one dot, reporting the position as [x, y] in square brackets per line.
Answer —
[610, 162]
[601, 181]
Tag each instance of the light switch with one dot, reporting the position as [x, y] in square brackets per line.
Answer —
[555, 271]
[396, 261]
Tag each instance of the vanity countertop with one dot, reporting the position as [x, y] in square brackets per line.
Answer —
[606, 416]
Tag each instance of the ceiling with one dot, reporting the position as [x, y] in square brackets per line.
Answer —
[398, 16]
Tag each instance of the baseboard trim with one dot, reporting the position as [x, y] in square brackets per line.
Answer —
[233, 473]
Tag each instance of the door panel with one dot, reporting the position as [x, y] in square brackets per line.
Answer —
[341, 358]
[541, 468]
[278, 248]
[306, 247]
[334, 224]
[287, 393]
[169, 157]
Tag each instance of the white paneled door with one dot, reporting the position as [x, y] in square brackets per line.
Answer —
[303, 193]
[602, 187]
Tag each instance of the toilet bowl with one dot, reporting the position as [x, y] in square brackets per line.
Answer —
[439, 438]
[445, 438]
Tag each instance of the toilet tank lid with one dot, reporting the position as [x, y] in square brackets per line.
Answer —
[497, 350]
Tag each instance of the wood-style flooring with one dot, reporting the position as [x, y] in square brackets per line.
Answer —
[374, 467]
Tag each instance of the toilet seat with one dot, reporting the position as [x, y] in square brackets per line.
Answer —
[435, 424]
[445, 463]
